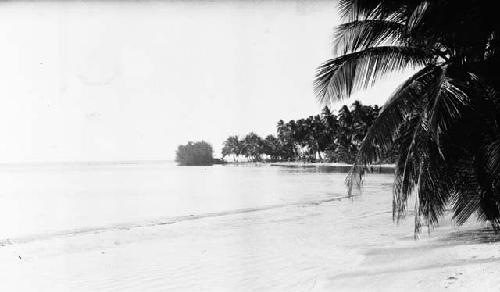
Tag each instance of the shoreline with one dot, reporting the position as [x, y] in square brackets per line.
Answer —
[322, 166]
[348, 245]
[301, 163]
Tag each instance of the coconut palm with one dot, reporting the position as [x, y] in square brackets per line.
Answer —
[252, 147]
[331, 132]
[444, 120]
[232, 146]
[285, 137]
[271, 147]
[318, 137]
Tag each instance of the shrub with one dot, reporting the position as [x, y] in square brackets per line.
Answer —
[194, 153]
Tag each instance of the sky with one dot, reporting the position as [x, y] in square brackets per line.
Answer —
[103, 81]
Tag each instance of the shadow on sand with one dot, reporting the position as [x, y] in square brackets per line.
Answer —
[381, 261]
[473, 236]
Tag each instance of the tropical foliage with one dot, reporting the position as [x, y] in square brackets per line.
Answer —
[324, 137]
[444, 121]
[195, 153]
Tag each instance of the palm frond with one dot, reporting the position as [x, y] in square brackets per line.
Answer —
[404, 121]
[448, 104]
[418, 14]
[466, 199]
[423, 167]
[406, 174]
[402, 102]
[363, 34]
[435, 184]
[446, 108]
[424, 172]
[393, 116]
[493, 154]
[337, 78]
[369, 9]
[488, 195]
[444, 121]
[356, 9]
[472, 150]
[409, 168]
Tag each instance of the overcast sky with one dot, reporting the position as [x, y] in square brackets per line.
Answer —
[132, 80]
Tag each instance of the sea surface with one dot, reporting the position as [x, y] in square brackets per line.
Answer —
[162, 227]
[44, 200]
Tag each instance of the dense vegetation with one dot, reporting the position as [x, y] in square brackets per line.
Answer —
[325, 137]
[195, 153]
[445, 119]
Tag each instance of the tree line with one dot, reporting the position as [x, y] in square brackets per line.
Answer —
[324, 137]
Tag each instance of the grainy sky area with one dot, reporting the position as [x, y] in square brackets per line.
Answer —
[131, 80]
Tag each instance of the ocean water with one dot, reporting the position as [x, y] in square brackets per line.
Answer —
[161, 227]
[44, 200]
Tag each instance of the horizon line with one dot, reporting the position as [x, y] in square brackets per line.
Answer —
[86, 162]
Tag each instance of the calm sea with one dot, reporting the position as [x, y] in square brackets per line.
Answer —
[53, 199]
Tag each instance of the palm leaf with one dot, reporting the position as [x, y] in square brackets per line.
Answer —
[488, 195]
[466, 200]
[493, 154]
[446, 108]
[380, 136]
[369, 9]
[363, 34]
[402, 102]
[444, 120]
[425, 172]
[435, 185]
[337, 78]
[418, 14]
[406, 174]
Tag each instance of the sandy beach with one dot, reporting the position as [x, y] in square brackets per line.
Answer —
[333, 245]
[181, 145]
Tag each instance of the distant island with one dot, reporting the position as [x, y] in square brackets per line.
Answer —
[196, 154]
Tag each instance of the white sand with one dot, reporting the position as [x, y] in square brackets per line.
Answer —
[334, 246]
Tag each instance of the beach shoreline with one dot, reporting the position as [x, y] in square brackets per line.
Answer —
[337, 245]
[326, 166]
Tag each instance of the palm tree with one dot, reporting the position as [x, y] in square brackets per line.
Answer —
[281, 129]
[319, 138]
[284, 134]
[444, 120]
[271, 147]
[253, 146]
[346, 148]
[331, 129]
[293, 127]
[232, 147]
[362, 119]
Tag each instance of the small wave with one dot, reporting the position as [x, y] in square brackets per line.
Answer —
[154, 222]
